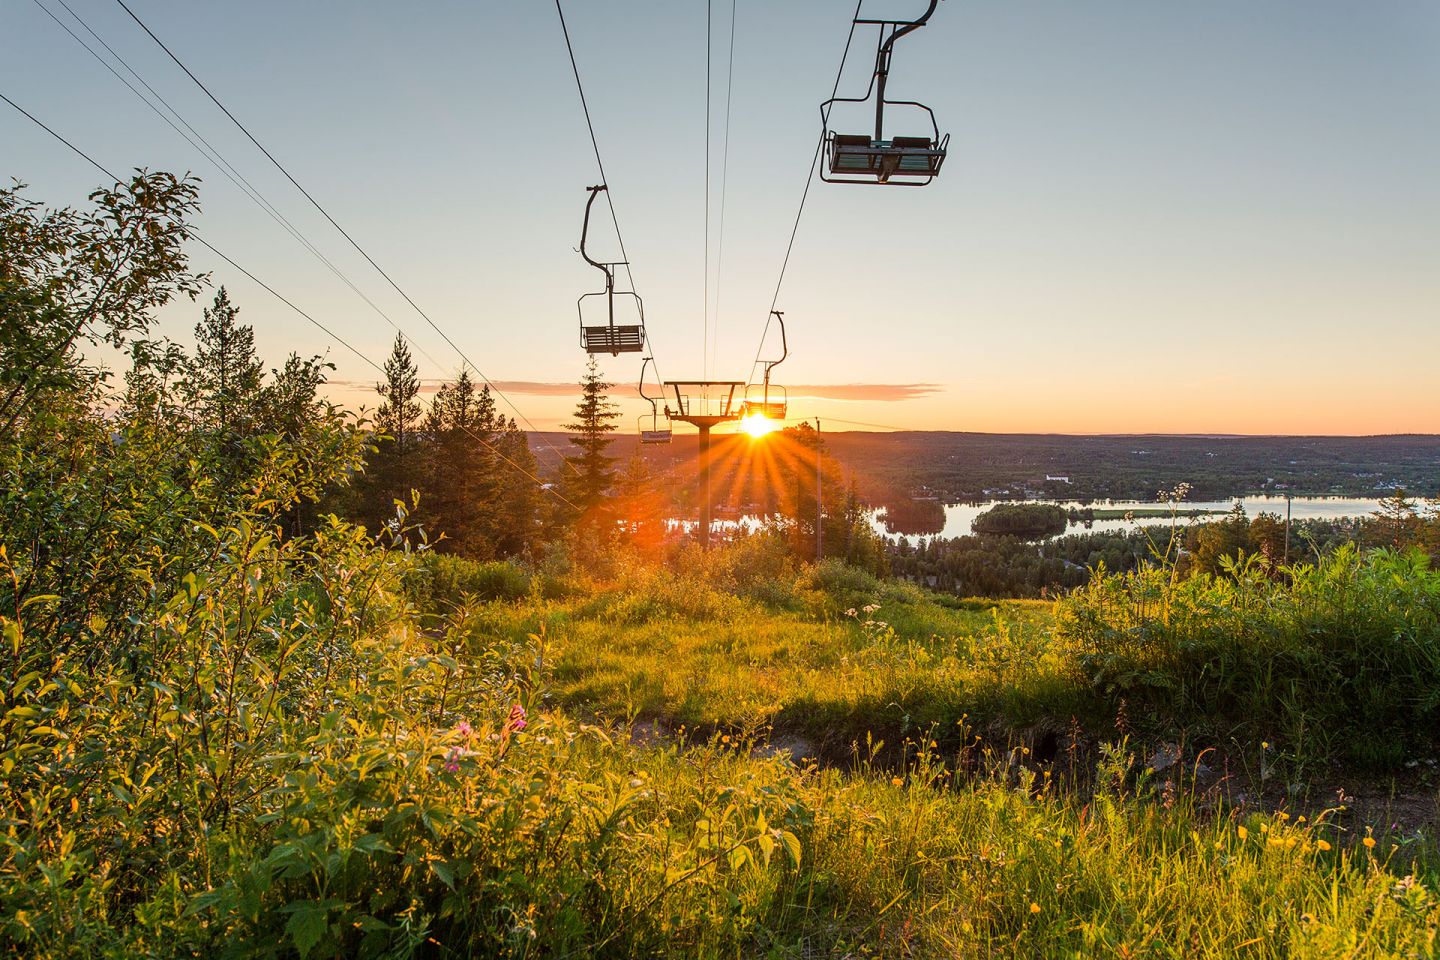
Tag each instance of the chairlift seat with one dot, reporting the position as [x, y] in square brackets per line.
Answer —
[774, 410]
[655, 436]
[614, 340]
[859, 155]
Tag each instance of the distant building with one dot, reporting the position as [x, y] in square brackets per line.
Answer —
[1050, 479]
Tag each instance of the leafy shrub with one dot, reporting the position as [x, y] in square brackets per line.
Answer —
[439, 582]
[1339, 659]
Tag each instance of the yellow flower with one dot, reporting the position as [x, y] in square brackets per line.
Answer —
[897, 781]
[1322, 845]
[1369, 843]
[1034, 908]
[1264, 744]
[1242, 832]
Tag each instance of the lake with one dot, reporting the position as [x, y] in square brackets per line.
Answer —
[958, 516]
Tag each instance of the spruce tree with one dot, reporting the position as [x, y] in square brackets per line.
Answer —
[460, 467]
[391, 469]
[400, 409]
[226, 373]
[517, 497]
[589, 475]
[640, 506]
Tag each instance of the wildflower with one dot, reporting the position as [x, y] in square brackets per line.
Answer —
[516, 720]
[1242, 832]
[897, 781]
[452, 760]
[1264, 744]
[463, 728]
[1369, 843]
[1034, 907]
[851, 612]
[1322, 845]
[870, 607]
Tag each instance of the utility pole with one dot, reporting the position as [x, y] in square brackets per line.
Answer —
[850, 518]
[1287, 528]
[819, 499]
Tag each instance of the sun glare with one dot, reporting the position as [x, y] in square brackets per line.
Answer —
[757, 425]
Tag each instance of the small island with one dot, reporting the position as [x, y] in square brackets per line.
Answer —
[1028, 521]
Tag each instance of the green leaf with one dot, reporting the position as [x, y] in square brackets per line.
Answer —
[792, 845]
[444, 871]
[767, 847]
[307, 926]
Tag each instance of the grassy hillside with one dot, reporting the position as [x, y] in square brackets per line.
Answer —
[1336, 669]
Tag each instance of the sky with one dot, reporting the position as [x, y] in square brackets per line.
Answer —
[1154, 217]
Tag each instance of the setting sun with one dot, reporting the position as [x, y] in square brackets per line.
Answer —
[757, 425]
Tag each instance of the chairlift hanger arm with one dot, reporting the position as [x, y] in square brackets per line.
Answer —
[585, 233]
[640, 387]
[882, 63]
[784, 345]
[903, 26]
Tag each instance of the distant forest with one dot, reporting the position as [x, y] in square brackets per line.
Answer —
[889, 469]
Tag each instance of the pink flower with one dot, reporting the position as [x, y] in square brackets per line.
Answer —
[463, 728]
[452, 760]
[516, 720]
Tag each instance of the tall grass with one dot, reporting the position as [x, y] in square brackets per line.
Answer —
[1337, 660]
[292, 767]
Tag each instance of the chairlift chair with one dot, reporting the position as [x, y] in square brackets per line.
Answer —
[608, 337]
[651, 429]
[766, 399]
[911, 161]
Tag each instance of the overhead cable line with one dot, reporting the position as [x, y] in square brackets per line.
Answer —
[705, 294]
[724, 184]
[191, 234]
[206, 149]
[809, 179]
[604, 178]
[361, 250]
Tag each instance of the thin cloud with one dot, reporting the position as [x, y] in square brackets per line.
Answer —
[870, 392]
[866, 392]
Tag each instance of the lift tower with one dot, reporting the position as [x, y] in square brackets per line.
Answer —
[695, 405]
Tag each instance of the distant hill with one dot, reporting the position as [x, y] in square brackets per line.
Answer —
[953, 466]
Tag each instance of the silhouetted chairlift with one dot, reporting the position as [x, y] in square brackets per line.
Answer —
[656, 427]
[609, 337]
[899, 161]
[765, 399]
